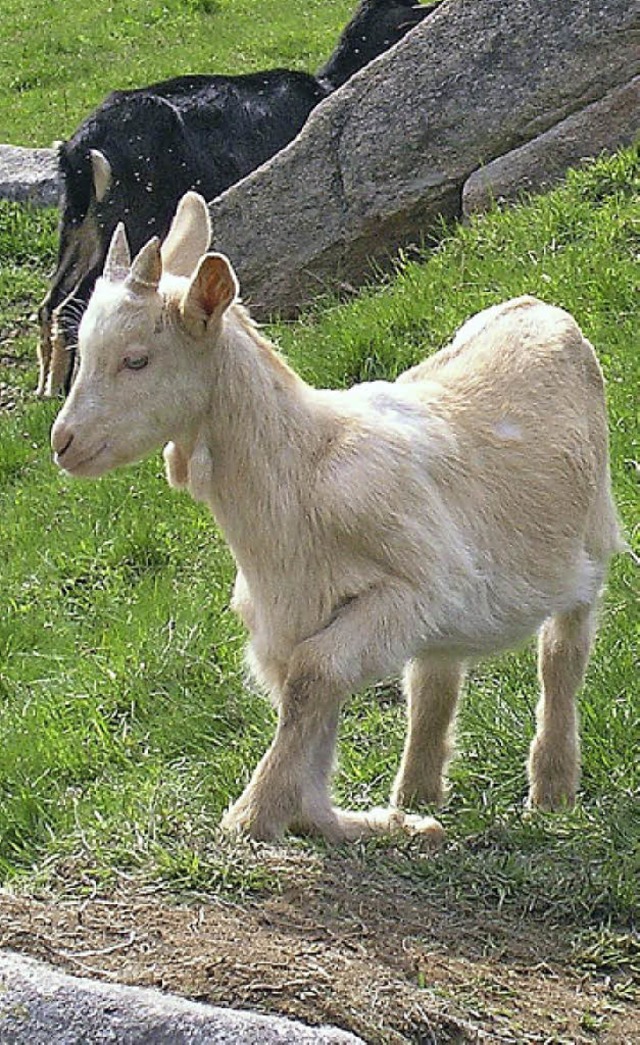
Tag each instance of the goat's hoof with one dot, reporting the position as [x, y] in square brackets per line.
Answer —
[554, 775]
[241, 819]
[413, 796]
[426, 827]
[551, 799]
[354, 826]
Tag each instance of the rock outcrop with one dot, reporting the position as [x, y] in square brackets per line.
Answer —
[29, 175]
[482, 101]
[381, 161]
[603, 126]
[41, 1006]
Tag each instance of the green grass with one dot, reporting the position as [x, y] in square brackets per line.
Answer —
[59, 60]
[125, 722]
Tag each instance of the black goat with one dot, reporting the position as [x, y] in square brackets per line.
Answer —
[374, 27]
[134, 157]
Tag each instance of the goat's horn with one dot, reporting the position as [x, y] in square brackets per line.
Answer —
[101, 173]
[118, 261]
[147, 267]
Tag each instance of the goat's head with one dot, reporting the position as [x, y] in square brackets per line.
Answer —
[146, 344]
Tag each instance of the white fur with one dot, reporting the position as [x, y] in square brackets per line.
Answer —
[415, 524]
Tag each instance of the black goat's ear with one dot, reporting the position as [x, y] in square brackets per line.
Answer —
[212, 290]
[189, 236]
[118, 261]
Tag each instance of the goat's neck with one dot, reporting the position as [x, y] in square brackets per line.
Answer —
[255, 442]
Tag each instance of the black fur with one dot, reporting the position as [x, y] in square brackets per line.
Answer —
[373, 29]
[192, 132]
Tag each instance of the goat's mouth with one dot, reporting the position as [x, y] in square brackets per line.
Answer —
[88, 466]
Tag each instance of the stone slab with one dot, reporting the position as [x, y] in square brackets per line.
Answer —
[41, 1006]
[381, 161]
[29, 175]
[604, 126]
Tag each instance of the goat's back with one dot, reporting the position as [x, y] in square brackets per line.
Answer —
[522, 389]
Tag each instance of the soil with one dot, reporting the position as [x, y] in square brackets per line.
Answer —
[342, 943]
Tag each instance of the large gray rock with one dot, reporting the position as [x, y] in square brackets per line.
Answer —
[605, 125]
[380, 161]
[39, 1006]
[29, 175]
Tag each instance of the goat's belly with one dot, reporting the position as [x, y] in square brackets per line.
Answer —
[468, 606]
[501, 610]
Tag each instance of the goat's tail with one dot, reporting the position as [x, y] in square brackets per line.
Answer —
[605, 537]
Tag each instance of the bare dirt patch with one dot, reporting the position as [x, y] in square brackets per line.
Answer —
[340, 944]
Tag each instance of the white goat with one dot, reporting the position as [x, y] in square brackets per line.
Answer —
[422, 523]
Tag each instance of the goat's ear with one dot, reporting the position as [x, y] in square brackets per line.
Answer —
[213, 288]
[146, 269]
[189, 236]
[118, 261]
[102, 174]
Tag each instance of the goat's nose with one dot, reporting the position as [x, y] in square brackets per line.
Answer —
[61, 438]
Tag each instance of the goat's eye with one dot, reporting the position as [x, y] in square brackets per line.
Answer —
[135, 362]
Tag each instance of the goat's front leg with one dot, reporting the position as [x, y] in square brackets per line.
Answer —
[60, 363]
[44, 351]
[368, 639]
[290, 786]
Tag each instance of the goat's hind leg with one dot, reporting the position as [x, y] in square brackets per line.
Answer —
[554, 759]
[432, 686]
